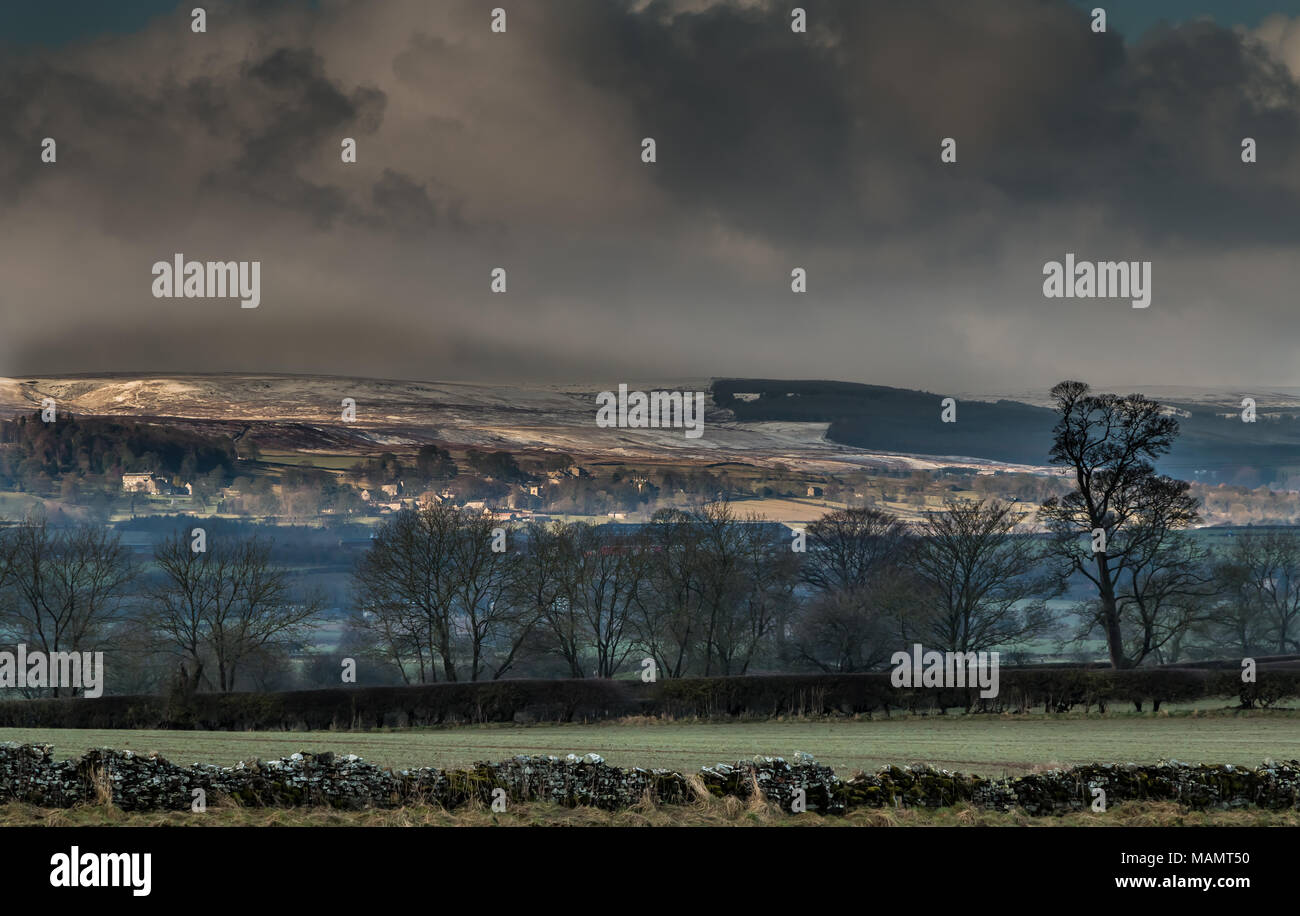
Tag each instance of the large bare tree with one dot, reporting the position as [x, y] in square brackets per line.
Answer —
[1119, 506]
[225, 605]
[981, 577]
[406, 588]
[668, 611]
[435, 589]
[718, 587]
[762, 596]
[608, 570]
[846, 548]
[483, 618]
[67, 587]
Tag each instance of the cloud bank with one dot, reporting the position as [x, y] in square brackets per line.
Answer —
[775, 150]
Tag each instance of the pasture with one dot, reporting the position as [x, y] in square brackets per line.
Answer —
[986, 745]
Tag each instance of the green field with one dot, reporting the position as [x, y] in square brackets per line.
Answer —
[311, 459]
[992, 746]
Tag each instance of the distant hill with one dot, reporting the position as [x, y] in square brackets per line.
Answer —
[817, 424]
[1214, 446]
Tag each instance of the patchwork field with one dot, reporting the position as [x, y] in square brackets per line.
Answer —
[991, 746]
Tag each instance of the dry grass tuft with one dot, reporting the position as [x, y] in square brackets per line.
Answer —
[700, 792]
[725, 812]
[758, 807]
[648, 802]
[101, 785]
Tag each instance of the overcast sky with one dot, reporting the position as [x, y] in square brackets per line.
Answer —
[775, 150]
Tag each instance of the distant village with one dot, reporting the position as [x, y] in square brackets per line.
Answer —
[521, 501]
[108, 470]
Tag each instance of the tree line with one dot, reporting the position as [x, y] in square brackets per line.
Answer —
[707, 592]
[194, 619]
[444, 594]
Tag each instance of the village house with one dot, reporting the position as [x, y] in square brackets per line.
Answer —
[511, 515]
[141, 483]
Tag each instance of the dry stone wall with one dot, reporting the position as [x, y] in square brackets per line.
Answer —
[29, 773]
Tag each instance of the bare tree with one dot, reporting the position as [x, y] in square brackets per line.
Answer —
[1166, 592]
[406, 587]
[722, 568]
[847, 547]
[225, 605]
[848, 630]
[1261, 575]
[266, 615]
[762, 597]
[717, 588]
[8, 547]
[1119, 503]
[980, 576]
[668, 611]
[608, 568]
[535, 581]
[67, 586]
[479, 578]
[433, 588]
[193, 589]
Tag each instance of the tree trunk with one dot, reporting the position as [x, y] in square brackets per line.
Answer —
[1110, 615]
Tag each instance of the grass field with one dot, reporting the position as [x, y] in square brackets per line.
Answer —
[991, 746]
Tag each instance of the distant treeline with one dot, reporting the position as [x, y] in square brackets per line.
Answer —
[896, 419]
[1215, 447]
[443, 594]
[1049, 689]
[708, 592]
[36, 452]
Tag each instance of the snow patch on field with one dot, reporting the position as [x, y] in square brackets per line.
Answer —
[404, 413]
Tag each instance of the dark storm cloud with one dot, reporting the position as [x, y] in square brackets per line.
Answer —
[404, 203]
[775, 149]
[279, 110]
[775, 132]
[307, 112]
[308, 108]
